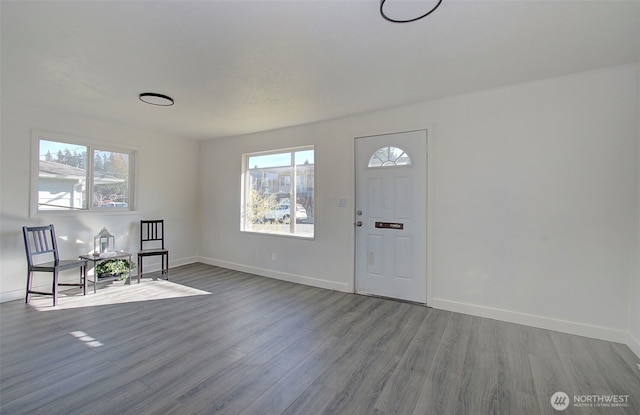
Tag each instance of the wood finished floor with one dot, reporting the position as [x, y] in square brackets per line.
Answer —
[261, 346]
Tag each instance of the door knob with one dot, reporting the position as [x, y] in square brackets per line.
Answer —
[359, 223]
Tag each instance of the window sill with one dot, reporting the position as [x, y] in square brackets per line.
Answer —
[281, 235]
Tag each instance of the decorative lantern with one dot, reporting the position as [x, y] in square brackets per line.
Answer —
[104, 242]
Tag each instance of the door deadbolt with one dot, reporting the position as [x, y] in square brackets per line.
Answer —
[359, 213]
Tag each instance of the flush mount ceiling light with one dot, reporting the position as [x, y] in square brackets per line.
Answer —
[156, 99]
[390, 11]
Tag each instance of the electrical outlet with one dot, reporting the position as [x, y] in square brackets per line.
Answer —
[274, 257]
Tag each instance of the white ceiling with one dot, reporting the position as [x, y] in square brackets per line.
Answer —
[235, 67]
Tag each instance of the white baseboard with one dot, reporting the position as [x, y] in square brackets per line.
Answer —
[570, 327]
[172, 263]
[13, 295]
[284, 276]
[634, 344]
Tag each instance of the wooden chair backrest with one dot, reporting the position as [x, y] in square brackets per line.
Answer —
[40, 240]
[151, 230]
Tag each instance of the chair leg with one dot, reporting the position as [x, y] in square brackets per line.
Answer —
[55, 288]
[166, 270]
[83, 277]
[29, 281]
[139, 268]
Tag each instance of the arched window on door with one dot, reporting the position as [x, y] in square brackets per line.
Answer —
[389, 157]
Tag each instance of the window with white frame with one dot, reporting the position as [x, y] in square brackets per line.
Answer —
[272, 202]
[389, 156]
[75, 174]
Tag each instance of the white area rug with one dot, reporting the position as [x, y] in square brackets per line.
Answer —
[116, 293]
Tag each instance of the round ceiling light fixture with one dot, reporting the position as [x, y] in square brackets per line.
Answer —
[156, 99]
[388, 13]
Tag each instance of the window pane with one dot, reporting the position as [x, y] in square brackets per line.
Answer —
[304, 157]
[271, 190]
[110, 179]
[62, 176]
[74, 175]
[389, 156]
[269, 160]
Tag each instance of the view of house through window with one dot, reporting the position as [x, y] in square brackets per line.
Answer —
[80, 177]
[273, 202]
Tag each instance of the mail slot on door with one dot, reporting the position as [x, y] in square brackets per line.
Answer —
[389, 225]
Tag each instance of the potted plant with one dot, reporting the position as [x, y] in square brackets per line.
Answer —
[119, 268]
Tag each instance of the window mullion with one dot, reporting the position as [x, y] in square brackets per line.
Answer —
[294, 198]
[90, 175]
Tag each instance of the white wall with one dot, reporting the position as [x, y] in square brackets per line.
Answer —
[634, 286]
[533, 194]
[167, 177]
[316, 262]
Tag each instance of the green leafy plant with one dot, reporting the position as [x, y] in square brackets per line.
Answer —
[259, 206]
[115, 267]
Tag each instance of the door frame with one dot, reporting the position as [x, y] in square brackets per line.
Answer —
[430, 240]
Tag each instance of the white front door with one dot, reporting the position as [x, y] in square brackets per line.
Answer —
[391, 215]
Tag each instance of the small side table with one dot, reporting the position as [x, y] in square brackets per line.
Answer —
[96, 259]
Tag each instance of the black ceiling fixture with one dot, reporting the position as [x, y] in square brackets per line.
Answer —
[383, 14]
[156, 99]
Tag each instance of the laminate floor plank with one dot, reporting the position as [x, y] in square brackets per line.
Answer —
[619, 379]
[340, 372]
[219, 389]
[412, 369]
[439, 393]
[172, 384]
[578, 362]
[36, 358]
[29, 380]
[33, 399]
[626, 355]
[360, 393]
[549, 377]
[478, 393]
[235, 399]
[312, 401]
[299, 378]
[320, 327]
[401, 392]
[515, 379]
[219, 341]
[107, 403]
[453, 344]
[396, 341]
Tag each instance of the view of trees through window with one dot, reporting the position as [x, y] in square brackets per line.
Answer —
[273, 202]
[110, 179]
[64, 181]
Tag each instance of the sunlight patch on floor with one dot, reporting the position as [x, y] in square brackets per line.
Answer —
[147, 290]
[84, 337]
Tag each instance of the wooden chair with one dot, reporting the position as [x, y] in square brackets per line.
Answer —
[41, 240]
[152, 244]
